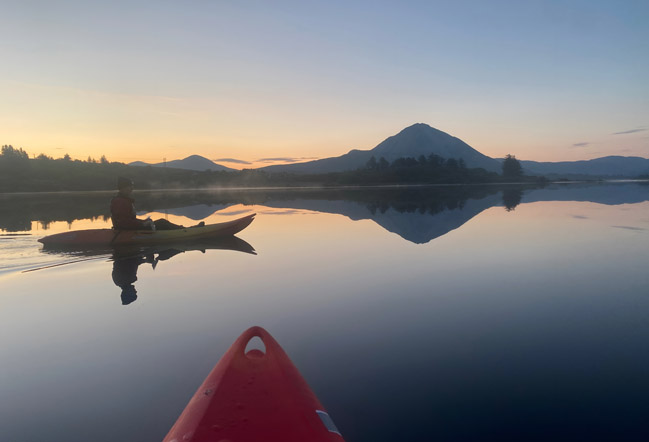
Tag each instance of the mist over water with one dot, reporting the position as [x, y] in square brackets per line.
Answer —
[428, 313]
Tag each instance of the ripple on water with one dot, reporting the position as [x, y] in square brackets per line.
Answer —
[23, 253]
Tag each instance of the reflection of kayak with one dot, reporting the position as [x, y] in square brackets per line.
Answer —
[223, 243]
[109, 237]
[129, 250]
[254, 396]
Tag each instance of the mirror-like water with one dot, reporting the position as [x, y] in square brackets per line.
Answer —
[414, 313]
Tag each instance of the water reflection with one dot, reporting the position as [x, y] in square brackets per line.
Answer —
[521, 325]
[127, 260]
[512, 198]
[125, 274]
[417, 214]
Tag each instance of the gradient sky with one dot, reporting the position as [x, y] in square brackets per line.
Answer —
[253, 80]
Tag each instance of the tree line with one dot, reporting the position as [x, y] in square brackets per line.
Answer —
[20, 173]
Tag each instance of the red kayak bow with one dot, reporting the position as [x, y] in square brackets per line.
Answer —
[254, 396]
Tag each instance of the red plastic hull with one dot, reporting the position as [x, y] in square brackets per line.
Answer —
[254, 396]
[110, 237]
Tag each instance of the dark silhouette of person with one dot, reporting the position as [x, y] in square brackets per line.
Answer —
[125, 275]
[122, 212]
[125, 270]
[129, 294]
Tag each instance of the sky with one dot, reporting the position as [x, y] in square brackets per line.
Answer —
[251, 83]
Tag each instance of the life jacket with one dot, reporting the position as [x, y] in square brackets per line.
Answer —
[122, 213]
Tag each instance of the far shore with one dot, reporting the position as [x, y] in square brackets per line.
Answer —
[325, 188]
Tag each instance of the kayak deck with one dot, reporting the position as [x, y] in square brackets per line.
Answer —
[254, 396]
[110, 237]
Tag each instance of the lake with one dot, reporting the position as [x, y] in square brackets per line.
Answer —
[449, 313]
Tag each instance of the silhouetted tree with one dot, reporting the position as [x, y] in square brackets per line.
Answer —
[512, 167]
[404, 162]
[9, 152]
[371, 163]
[13, 165]
[383, 163]
[435, 160]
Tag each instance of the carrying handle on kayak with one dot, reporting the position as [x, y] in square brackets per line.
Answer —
[251, 333]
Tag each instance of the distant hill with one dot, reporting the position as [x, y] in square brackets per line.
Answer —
[413, 141]
[421, 139]
[612, 166]
[192, 162]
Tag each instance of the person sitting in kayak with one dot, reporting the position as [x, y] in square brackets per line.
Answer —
[122, 212]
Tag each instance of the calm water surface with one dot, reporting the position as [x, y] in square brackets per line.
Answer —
[449, 314]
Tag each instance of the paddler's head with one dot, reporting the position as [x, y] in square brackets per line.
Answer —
[124, 185]
[129, 294]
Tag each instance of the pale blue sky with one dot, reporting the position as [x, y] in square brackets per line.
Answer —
[544, 80]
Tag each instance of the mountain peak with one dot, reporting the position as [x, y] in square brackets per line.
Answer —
[422, 139]
[421, 127]
[413, 141]
[192, 162]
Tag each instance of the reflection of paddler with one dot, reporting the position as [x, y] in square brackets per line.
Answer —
[129, 294]
[167, 254]
[125, 275]
[127, 261]
[125, 271]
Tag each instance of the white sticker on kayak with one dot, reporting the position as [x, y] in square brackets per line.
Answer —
[327, 421]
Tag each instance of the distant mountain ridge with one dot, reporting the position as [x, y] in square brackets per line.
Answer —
[611, 166]
[413, 141]
[192, 162]
[422, 139]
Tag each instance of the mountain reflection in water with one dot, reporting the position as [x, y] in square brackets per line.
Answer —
[528, 322]
[417, 214]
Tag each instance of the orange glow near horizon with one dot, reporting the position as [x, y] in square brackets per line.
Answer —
[270, 152]
[81, 123]
[227, 81]
[127, 127]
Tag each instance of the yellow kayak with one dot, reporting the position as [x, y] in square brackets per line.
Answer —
[112, 237]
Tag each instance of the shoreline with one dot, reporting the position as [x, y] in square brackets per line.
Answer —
[355, 187]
